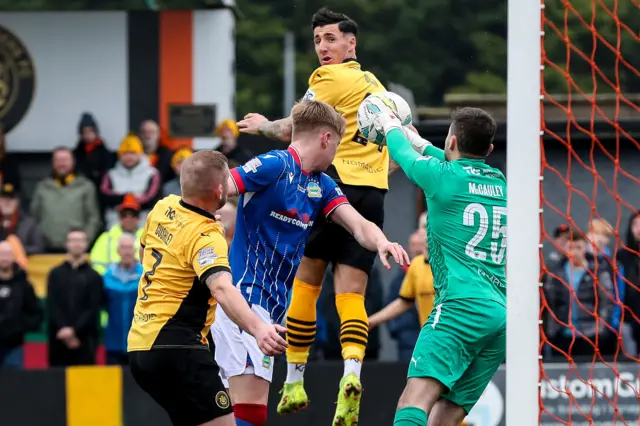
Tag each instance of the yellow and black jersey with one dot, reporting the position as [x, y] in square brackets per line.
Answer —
[344, 86]
[183, 245]
[418, 287]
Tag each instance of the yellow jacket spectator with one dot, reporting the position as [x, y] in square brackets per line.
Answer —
[173, 186]
[105, 251]
[417, 290]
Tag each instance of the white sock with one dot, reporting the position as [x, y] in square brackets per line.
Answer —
[352, 365]
[295, 372]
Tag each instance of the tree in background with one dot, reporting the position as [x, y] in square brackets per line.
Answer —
[432, 47]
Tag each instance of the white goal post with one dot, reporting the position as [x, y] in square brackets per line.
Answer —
[523, 192]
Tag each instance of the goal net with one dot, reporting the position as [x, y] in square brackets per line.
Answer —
[590, 198]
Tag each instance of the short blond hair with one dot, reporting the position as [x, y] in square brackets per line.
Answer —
[601, 226]
[308, 115]
[201, 171]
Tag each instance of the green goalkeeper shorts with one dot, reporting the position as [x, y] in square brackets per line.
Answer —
[462, 345]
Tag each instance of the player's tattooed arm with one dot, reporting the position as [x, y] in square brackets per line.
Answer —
[278, 129]
[256, 124]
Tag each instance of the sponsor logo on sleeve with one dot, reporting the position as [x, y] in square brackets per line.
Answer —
[252, 165]
[206, 256]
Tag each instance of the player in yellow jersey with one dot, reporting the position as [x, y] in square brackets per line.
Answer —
[184, 254]
[361, 169]
[417, 287]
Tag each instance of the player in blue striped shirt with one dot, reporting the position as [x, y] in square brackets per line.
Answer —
[282, 193]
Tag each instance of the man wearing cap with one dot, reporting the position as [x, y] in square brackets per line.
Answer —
[105, 251]
[16, 221]
[173, 186]
[93, 158]
[132, 174]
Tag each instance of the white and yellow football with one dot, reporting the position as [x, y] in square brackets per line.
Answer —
[386, 102]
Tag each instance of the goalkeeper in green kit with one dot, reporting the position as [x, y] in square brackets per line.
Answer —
[464, 340]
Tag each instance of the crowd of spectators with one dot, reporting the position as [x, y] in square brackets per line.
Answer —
[90, 211]
[92, 207]
[591, 293]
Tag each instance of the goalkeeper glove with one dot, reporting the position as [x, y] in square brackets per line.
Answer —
[418, 144]
[384, 122]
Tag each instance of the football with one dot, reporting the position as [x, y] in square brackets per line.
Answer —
[381, 101]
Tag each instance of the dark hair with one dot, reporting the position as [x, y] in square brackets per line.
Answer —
[474, 130]
[325, 16]
[561, 230]
[576, 235]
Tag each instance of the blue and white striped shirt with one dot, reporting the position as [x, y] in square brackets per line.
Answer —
[276, 211]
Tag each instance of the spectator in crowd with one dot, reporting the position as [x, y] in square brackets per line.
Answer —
[561, 240]
[92, 157]
[575, 288]
[134, 175]
[20, 310]
[9, 170]
[228, 133]
[74, 297]
[16, 221]
[159, 155]
[121, 291]
[417, 291]
[405, 328]
[629, 258]
[228, 218]
[600, 235]
[65, 201]
[105, 250]
[173, 186]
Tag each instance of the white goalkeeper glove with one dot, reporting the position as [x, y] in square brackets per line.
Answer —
[384, 122]
[418, 144]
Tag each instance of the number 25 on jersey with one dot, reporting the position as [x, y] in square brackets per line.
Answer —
[498, 232]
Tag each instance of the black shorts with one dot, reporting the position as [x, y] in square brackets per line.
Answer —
[185, 382]
[333, 244]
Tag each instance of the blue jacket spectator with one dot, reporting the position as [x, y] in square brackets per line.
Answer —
[121, 291]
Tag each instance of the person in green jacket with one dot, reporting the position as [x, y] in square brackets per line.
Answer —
[105, 251]
[65, 201]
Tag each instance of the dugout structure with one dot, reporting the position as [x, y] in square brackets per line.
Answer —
[600, 60]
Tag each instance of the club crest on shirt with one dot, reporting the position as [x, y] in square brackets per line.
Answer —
[222, 400]
[313, 190]
[206, 256]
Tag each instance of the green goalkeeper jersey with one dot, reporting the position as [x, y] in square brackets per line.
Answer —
[466, 220]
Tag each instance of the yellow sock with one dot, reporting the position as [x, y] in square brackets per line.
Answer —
[354, 328]
[301, 321]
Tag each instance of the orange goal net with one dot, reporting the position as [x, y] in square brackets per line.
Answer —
[590, 218]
